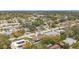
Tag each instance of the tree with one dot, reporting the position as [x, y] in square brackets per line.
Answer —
[76, 45]
[4, 42]
[75, 30]
[27, 45]
[62, 36]
[47, 40]
[37, 22]
[18, 33]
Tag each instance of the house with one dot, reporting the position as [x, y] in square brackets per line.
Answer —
[3, 21]
[69, 41]
[36, 37]
[18, 44]
[52, 33]
[59, 45]
[55, 46]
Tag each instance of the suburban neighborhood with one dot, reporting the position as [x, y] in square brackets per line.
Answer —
[39, 30]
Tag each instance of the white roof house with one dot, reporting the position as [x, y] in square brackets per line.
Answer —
[69, 41]
[52, 33]
[17, 44]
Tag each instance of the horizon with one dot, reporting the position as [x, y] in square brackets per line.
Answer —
[39, 10]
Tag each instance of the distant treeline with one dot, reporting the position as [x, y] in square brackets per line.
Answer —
[25, 14]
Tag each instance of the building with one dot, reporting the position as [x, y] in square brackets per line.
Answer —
[18, 44]
[55, 46]
[69, 41]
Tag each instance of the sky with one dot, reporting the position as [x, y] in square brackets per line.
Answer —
[39, 5]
